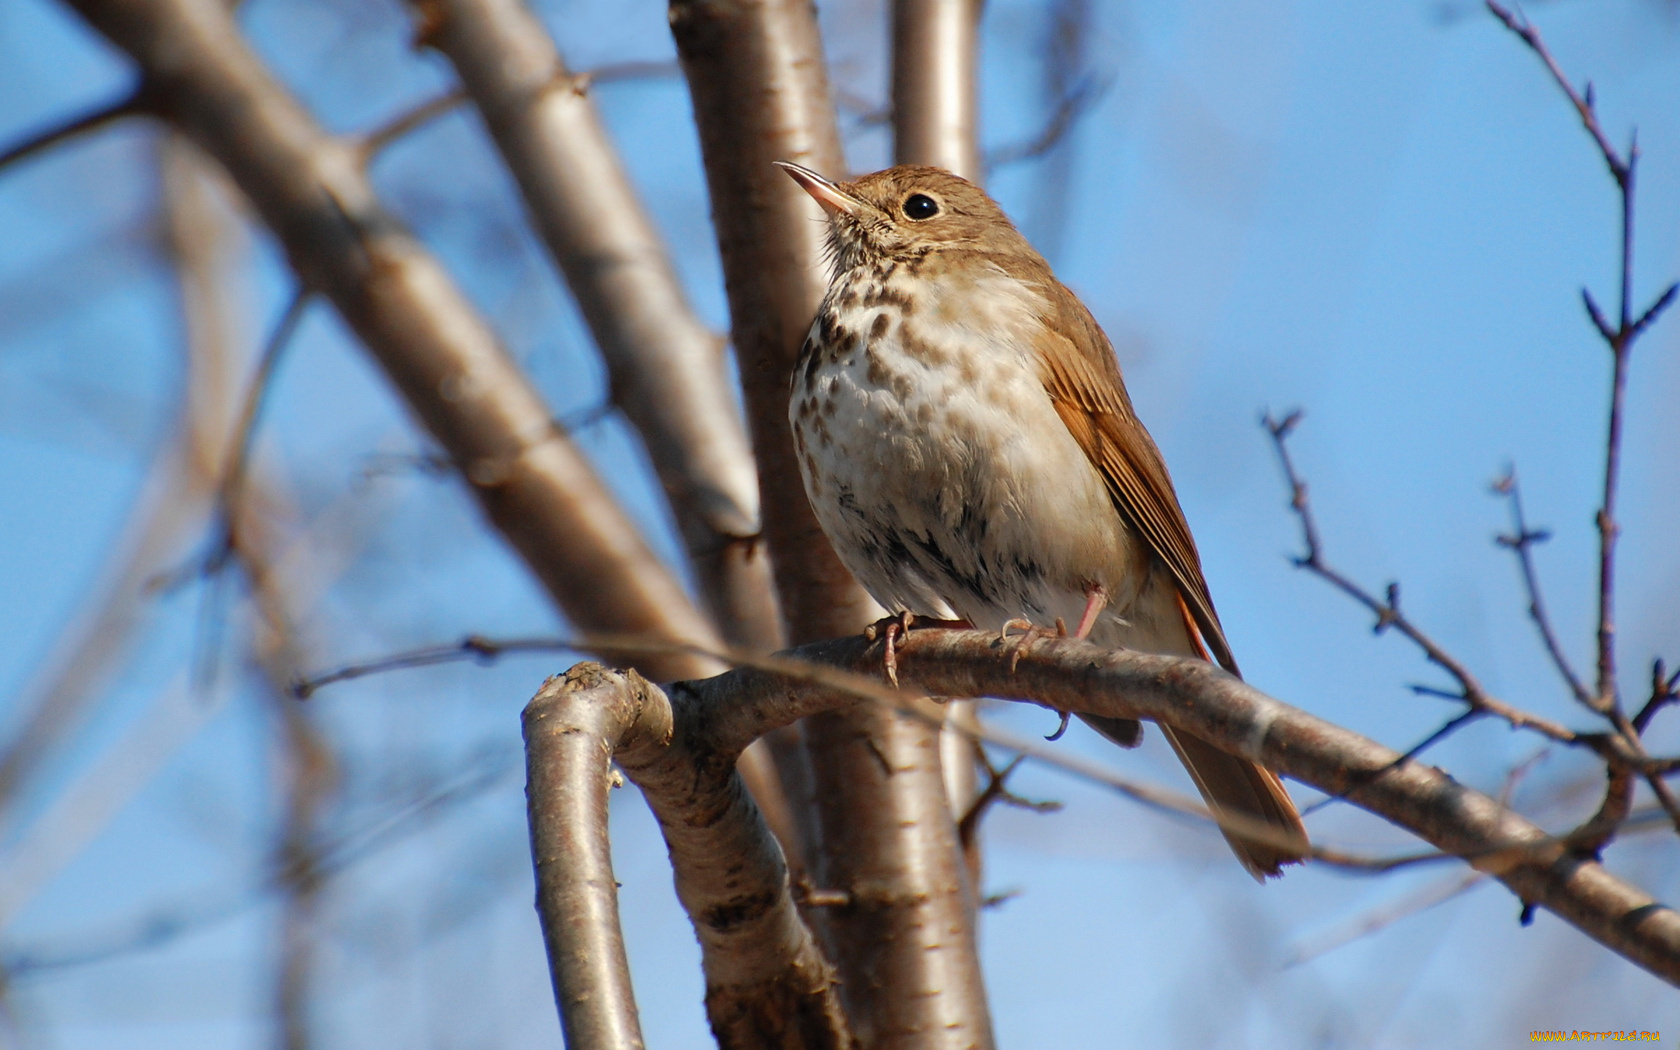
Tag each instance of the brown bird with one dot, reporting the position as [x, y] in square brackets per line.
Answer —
[969, 448]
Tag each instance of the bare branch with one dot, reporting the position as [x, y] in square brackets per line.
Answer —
[1199, 698]
[135, 103]
[1606, 697]
[532, 482]
[1665, 690]
[666, 367]
[935, 93]
[935, 118]
[1521, 542]
[766, 985]
[374, 142]
[758, 80]
[757, 76]
[572, 728]
[1518, 24]
[1073, 675]
[1072, 105]
[1387, 609]
[245, 428]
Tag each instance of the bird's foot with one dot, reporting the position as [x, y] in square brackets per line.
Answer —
[888, 628]
[1003, 632]
[1096, 599]
[1061, 728]
[1030, 633]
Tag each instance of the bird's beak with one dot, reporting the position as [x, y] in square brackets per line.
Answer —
[834, 200]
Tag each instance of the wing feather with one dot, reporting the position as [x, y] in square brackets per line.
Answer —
[1083, 380]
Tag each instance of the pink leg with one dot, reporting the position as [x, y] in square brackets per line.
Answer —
[1096, 599]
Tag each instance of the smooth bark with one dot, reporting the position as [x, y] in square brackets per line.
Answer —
[571, 729]
[767, 986]
[1193, 695]
[757, 74]
[533, 483]
[666, 367]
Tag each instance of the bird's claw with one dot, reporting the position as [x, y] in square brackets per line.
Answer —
[1031, 631]
[1003, 632]
[888, 628]
[1061, 728]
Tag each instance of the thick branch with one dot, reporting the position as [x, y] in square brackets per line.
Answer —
[1197, 697]
[934, 86]
[666, 366]
[760, 88]
[534, 484]
[571, 729]
[757, 76]
[767, 987]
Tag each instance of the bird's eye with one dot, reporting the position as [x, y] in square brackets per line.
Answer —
[920, 206]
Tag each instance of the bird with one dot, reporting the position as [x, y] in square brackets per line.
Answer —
[968, 446]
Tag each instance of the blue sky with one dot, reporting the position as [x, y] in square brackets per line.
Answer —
[1382, 213]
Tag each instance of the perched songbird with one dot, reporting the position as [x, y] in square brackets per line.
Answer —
[970, 450]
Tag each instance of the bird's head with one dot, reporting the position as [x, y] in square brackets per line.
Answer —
[905, 213]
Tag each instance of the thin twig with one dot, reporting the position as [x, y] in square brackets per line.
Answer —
[1622, 750]
[1606, 698]
[997, 791]
[134, 103]
[1665, 690]
[373, 142]
[245, 432]
[212, 606]
[1521, 542]
[1387, 609]
[1620, 170]
[1446, 730]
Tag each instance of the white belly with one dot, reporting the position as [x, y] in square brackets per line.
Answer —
[940, 470]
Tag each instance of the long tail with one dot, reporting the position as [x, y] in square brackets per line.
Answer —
[1232, 784]
[1236, 785]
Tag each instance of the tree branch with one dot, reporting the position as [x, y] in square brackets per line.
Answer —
[935, 119]
[1521, 543]
[535, 486]
[935, 52]
[758, 79]
[1073, 675]
[666, 367]
[767, 987]
[1606, 696]
[135, 103]
[1387, 609]
[571, 730]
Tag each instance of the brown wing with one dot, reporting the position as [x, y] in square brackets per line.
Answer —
[1083, 380]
